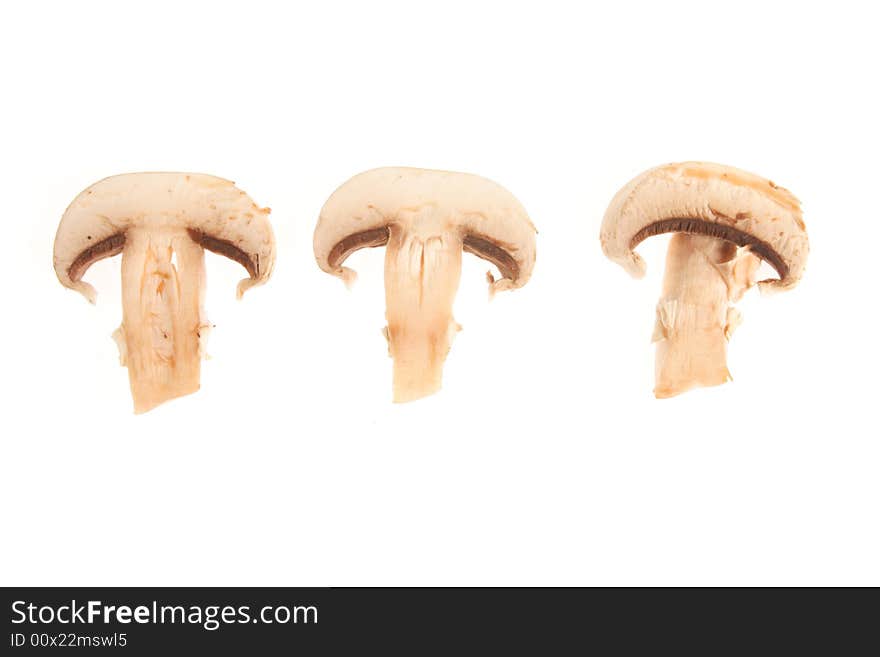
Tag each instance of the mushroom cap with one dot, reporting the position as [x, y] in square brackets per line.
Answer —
[490, 220]
[708, 199]
[217, 215]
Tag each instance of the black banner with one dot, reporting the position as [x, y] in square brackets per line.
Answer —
[269, 621]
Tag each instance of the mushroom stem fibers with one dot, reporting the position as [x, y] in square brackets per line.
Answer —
[704, 275]
[422, 272]
[162, 328]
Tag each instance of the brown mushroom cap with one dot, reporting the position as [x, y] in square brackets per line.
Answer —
[491, 222]
[216, 215]
[708, 199]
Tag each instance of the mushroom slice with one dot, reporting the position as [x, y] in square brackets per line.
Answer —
[726, 221]
[426, 219]
[161, 223]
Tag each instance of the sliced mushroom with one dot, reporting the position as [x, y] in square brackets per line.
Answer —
[161, 223]
[426, 218]
[725, 221]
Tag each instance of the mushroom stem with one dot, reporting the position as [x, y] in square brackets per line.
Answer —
[421, 279]
[704, 275]
[162, 332]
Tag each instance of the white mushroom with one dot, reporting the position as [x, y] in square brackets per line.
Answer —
[426, 218]
[161, 223]
[726, 221]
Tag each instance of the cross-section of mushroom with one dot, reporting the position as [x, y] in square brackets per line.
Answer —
[161, 223]
[426, 218]
[725, 221]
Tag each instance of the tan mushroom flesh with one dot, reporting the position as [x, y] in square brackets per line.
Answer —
[161, 223]
[725, 222]
[425, 219]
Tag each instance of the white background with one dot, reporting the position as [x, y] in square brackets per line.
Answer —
[545, 459]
